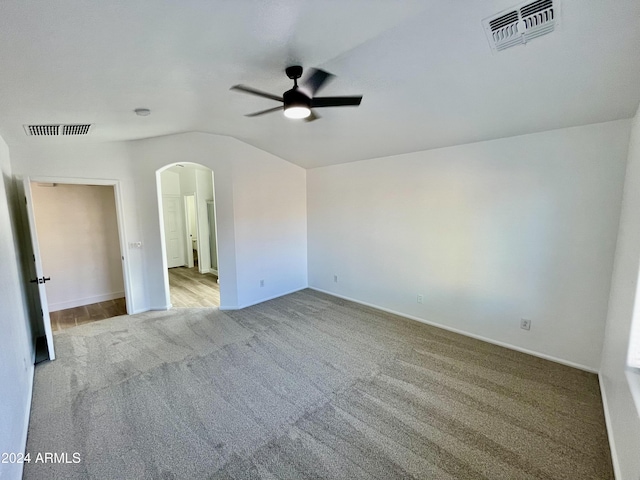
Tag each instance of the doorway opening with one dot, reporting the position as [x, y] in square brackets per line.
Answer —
[187, 203]
[77, 230]
[73, 257]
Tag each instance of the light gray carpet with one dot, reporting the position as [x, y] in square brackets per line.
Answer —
[307, 386]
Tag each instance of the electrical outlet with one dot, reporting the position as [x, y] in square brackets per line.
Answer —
[420, 298]
[525, 324]
[335, 278]
[262, 283]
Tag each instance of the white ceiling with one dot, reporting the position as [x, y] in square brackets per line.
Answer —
[426, 71]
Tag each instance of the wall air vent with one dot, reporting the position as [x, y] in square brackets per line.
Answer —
[522, 23]
[57, 130]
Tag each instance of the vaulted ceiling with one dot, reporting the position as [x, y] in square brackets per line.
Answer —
[425, 68]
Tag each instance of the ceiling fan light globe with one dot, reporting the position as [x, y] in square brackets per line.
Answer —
[297, 112]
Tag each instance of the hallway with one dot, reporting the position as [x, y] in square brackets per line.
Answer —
[190, 288]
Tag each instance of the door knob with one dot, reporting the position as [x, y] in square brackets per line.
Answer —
[41, 280]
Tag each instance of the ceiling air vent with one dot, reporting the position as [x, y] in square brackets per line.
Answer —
[57, 130]
[522, 23]
[76, 129]
[48, 130]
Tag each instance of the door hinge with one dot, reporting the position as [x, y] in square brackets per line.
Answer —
[34, 257]
[25, 201]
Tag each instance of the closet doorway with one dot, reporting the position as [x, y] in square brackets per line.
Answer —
[190, 235]
[73, 256]
[78, 235]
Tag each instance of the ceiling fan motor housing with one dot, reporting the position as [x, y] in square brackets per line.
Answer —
[295, 98]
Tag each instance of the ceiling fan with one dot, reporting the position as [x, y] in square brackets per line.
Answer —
[298, 102]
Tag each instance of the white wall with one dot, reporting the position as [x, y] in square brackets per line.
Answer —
[623, 421]
[16, 352]
[79, 244]
[261, 215]
[104, 161]
[489, 233]
[261, 208]
[269, 201]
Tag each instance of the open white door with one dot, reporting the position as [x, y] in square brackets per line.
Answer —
[173, 230]
[40, 277]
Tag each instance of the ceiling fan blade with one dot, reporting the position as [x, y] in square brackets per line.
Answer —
[317, 80]
[262, 112]
[313, 116]
[259, 93]
[335, 101]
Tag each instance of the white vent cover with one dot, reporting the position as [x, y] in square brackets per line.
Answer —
[524, 22]
[75, 129]
[42, 129]
[57, 130]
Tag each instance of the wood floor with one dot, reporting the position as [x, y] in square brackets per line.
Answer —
[190, 288]
[72, 317]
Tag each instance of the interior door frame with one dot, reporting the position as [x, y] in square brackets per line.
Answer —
[213, 237]
[117, 193]
[187, 219]
[229, 291]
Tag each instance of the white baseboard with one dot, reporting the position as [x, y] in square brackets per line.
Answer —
[607, 420]
[162, 308]
[240, 307]
[54, 307]
[463, 332]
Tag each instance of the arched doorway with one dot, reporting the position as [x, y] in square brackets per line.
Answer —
[186, 195]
